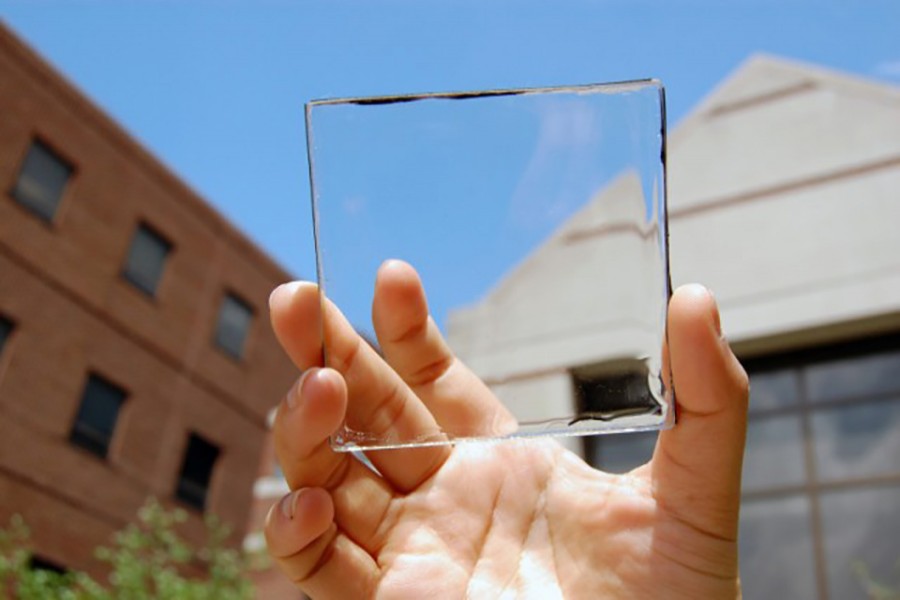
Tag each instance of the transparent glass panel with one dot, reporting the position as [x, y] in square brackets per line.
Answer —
[535, 220]
[773, 389]
[859, 440]
[773, 456]
[851, 377]
[862, 533]
[776, 550]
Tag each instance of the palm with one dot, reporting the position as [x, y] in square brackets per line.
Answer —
[517, 519]
[552, 528]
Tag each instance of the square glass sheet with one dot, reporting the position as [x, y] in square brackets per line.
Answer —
[536, 221]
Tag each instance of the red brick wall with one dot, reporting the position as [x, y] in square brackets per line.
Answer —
[61, 283]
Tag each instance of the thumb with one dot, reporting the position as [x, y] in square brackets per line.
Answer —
[697, 464]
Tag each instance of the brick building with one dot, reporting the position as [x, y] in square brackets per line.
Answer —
[136, 358]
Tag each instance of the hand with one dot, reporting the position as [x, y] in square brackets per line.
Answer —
[517, 519]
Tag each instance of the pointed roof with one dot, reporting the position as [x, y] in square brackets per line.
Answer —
[776, 124]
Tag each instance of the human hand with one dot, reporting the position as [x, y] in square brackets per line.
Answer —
[519, 518]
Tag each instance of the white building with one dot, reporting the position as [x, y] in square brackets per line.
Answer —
[783, 199]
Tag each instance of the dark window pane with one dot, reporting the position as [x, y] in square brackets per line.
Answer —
[146, 259]
[620, 453]
[773, 389]
[196, 471]
[6, 327]
[606, 393]
[233, 324]
[776, 550]
[858, 376]
[97, 415]
[39, 563]
[861, 527]
[858, 440]
[41, 181]
[774, 453]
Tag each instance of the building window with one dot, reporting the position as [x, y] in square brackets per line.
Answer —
[235, 316]
[96, 420]
[196, 471]
[821, 480]
[40, 563]
[6, 328]
[611, 391]
[619, 453]
[146, 259]
[41, 181]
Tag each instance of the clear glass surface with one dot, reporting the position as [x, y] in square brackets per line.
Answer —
[536, 221]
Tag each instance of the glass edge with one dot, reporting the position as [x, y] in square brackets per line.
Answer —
[317, 236]
[609, 87]
[523, 434]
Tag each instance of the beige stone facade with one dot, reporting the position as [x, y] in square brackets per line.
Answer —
[783, 199]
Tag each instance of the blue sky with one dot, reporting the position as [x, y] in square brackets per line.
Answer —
[216, 89]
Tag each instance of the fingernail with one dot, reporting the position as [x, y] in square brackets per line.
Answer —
[717, 319]
[285, 289]
[296, 392]
[288, 504]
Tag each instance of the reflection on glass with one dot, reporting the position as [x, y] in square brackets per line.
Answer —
[536, 220]
[860, 526]
[858, 440]
[856, 376]
[773, 389]
[774, 453]
[776, 551]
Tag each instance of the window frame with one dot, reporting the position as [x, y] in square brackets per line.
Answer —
[83, 440]
[794, 400]
[625, 376]
[816, 486]
[241, 354]
[60, 157]
[125, 273]
[185, 487]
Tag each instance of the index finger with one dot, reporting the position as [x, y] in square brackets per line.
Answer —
[380, 402]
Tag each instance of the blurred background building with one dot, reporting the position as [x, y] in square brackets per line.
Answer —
[136, 358]
[783, 199]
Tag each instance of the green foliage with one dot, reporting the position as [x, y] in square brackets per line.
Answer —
[147, 559]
